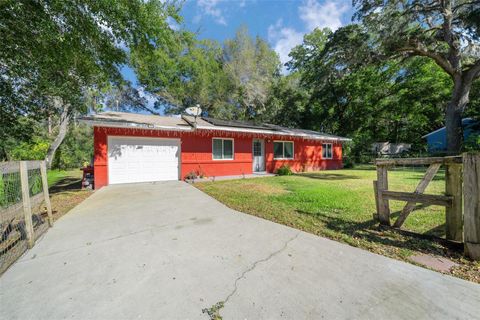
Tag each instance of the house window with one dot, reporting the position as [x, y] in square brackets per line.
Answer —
[257, 148]
[327, 151]
[222, 149]
[283, 150]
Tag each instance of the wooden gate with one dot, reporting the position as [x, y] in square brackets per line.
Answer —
[456, 194]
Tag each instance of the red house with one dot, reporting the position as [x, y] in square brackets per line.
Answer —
[140, 148]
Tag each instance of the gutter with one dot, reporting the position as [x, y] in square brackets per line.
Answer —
[280, 133]
[111, 124]
[132, 125]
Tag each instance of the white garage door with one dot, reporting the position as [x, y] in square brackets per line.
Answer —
[133, 159]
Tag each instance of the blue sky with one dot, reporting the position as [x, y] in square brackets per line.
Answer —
[282, 23]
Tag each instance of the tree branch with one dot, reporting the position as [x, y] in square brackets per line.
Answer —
[465, 4]
[441, 61]
[473, 72]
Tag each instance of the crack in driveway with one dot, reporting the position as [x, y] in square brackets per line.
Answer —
[214, 311]
[102, 241]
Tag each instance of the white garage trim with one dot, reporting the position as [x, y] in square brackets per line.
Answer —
[147, 174]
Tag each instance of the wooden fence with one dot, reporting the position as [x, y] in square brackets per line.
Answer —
[23, 187]
[462, 186]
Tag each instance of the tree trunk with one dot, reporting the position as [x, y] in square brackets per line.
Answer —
[453, 116]
[62, 131]
[453, 124]
[49, 125]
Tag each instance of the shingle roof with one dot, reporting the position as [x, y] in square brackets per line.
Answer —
[122, 119]
[154, 121]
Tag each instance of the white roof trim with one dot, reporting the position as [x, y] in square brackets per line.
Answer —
[134, 125]
[234, 129]
[217, 128]
[429, 134]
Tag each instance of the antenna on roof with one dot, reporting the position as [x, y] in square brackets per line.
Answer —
[195, 112]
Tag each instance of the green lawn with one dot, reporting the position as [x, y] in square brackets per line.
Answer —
[339, 205]
[55, 176]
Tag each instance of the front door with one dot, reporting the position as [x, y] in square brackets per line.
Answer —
[258, 155]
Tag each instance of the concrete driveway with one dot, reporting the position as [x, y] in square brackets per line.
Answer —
[168, 251]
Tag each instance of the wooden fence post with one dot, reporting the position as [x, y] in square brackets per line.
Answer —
[46, 195]
[377, 206]
[471, 196]
[382, 185]
[454, 215]
[27, 209]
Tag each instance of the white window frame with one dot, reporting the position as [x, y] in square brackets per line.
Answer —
[233, 149]
[283, 150]
[331, 150]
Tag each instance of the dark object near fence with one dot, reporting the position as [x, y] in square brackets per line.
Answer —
[87, 178]
[460, 226]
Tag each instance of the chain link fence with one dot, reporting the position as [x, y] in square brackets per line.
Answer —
[25, 211]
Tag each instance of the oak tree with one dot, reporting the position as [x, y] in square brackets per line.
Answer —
[445, 31]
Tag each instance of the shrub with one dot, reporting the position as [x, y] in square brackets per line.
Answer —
[10, 190]
[284, 170]
[31, 150]
[191, 175]
[348, 162]
[472, 143]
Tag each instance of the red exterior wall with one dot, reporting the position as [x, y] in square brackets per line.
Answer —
[308, 156]
[196, 152]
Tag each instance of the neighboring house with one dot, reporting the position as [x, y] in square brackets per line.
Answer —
[390, 149]
[437, 140]
[139, 148]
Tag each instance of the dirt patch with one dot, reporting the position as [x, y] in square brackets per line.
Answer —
[67, 194]
[62, 202]
[468, 270]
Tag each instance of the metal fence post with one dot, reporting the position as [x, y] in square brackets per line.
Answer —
[27, 209]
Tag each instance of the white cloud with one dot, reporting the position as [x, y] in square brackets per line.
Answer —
[210, 7]
[313, 14]
[284, 39]
[326, 15]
